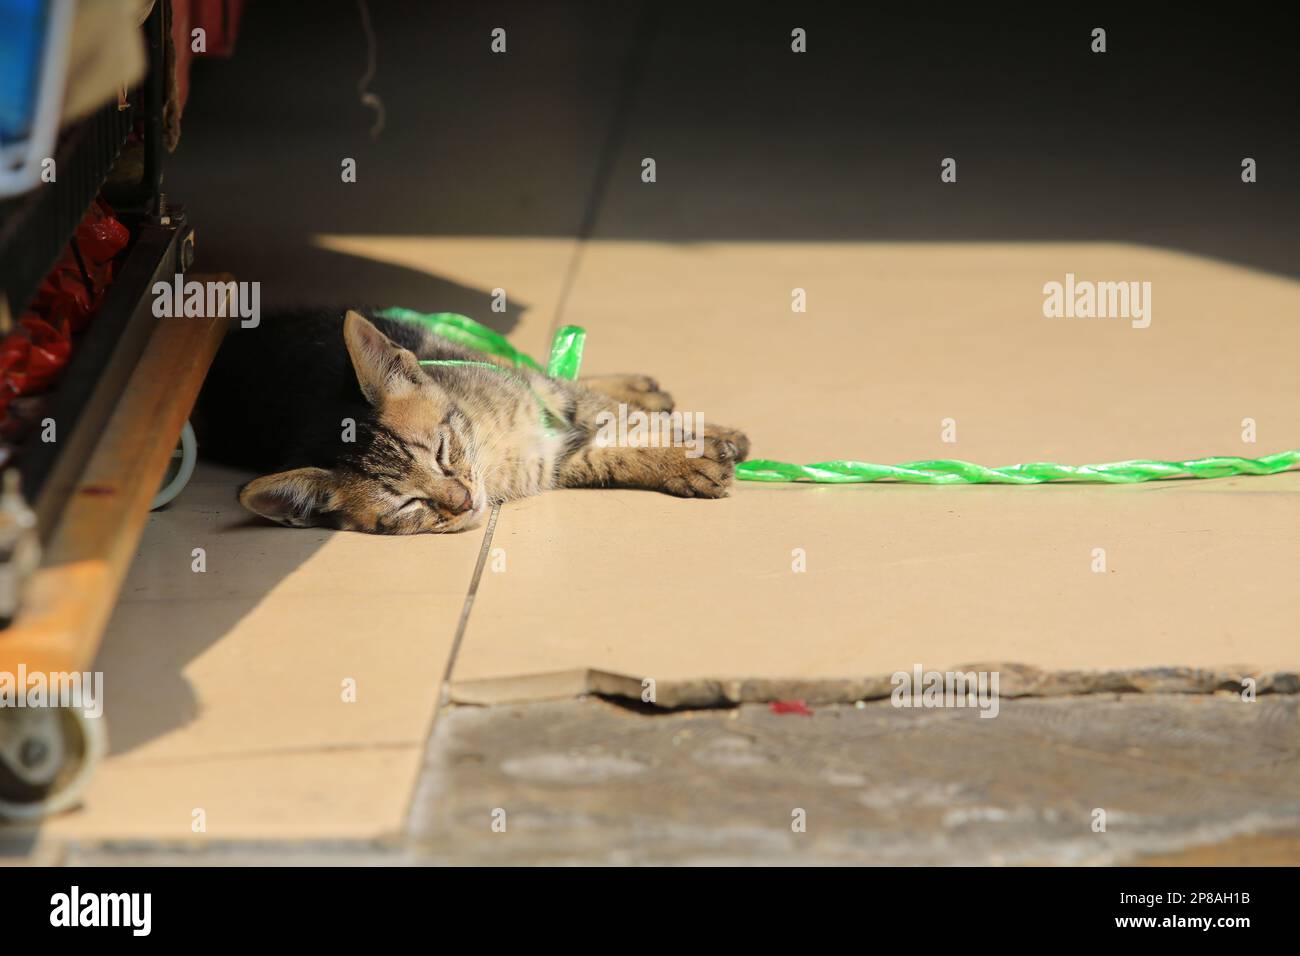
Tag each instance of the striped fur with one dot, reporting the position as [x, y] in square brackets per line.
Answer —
[431, 448]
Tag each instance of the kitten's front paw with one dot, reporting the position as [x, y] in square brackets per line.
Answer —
[706, 476]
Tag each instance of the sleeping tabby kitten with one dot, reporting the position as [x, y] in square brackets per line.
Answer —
[433, 447]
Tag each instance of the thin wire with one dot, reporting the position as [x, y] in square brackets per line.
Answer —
[369, 99]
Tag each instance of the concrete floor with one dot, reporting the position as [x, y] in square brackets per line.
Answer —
[595, 783]
[523, 173]
[1208, 779]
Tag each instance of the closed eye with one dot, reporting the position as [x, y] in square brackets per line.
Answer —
[443, 451]
[412, 504]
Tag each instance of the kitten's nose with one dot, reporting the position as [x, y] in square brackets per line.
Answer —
[459, 499]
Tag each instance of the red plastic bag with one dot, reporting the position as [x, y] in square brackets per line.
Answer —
[33, 355]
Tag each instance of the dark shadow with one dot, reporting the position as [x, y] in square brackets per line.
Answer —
[139, 666]
[472, 145]
[1141, 144]
[328, 277]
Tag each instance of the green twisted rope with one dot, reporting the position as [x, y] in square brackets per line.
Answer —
[566, 358]
[947, 471]
[463, 330]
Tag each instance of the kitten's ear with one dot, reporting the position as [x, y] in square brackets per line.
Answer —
[296, 498]
[383, 370]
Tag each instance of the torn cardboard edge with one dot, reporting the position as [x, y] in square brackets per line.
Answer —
[1015, 680]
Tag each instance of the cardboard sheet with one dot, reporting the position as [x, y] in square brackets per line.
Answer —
[896, 340]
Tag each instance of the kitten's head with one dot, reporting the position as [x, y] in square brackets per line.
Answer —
[412, 468]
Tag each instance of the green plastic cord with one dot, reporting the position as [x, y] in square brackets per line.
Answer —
[947, 471]
[566, 359]
[566, 350]
[463, 330]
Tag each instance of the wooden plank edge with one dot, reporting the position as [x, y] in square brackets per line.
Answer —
[72, 595]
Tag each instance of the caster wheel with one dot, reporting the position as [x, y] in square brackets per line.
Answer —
[47, 755]
[187, 253]
[187, 454]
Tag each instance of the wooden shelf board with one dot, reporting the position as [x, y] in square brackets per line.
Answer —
[69, 600]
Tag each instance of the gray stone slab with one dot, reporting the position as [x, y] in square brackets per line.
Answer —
[590, 782]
